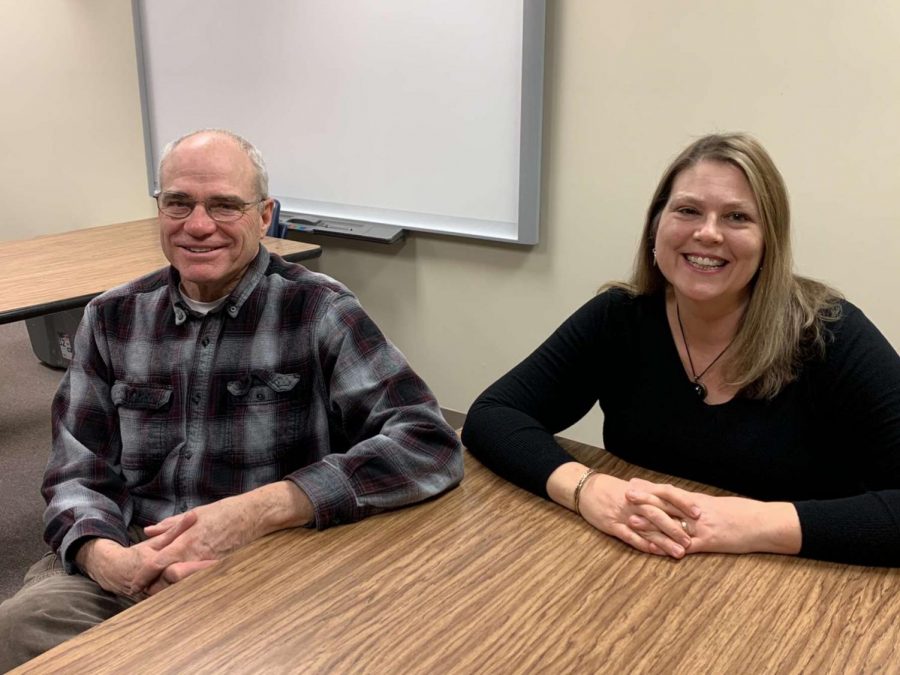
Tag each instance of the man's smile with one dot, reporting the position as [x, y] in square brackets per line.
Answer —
[200, 249]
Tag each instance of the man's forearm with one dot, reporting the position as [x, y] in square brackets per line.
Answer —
[278, 506]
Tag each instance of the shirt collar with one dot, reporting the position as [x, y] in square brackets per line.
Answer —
[237, 297]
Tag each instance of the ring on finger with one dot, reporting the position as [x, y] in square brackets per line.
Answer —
[684, 526]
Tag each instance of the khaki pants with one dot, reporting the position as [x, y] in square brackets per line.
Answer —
[51, 607]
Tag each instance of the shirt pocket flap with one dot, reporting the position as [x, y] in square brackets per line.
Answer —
[277, 382]
[140, 396]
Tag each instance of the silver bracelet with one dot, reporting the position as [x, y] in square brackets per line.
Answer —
[581, 483]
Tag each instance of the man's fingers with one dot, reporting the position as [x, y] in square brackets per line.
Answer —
[177, 572]
[157, 586]
[153, 565]
[172, 532]
[146, 575]
[167, 526]
[161, 526]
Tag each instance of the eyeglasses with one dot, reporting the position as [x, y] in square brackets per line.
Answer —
[221, 209]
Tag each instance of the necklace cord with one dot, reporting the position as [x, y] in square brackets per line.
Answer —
[688, 349]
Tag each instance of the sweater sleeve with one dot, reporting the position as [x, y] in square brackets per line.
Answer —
[510, 426]
[860, 390]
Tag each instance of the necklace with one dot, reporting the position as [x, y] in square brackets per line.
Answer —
[699, 387]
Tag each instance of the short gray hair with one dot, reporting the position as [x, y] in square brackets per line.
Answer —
[253, 154]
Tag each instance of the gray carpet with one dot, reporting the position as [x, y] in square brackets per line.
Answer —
[26, 390]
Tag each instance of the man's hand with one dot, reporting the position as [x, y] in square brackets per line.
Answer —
[224, 526]
[128, 570]
[219, 529]
[176, 572]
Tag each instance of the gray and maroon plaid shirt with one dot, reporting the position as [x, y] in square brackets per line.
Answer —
[163, 409]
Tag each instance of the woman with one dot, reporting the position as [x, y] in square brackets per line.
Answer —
[718, 364]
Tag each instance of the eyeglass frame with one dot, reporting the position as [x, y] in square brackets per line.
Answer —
[244, 206]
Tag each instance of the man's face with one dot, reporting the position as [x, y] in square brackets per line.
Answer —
[211, 256]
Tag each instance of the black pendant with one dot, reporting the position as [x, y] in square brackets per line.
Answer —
[700, 390]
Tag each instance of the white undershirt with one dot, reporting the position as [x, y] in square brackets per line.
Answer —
[203, 308]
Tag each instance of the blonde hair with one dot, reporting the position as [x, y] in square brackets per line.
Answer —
[784, 323]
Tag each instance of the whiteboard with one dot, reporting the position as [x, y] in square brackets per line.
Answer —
[423, 114]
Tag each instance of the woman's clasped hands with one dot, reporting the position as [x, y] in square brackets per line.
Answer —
[651, 517]
[662, 519]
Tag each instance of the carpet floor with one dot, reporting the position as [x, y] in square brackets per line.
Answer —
[26, 390]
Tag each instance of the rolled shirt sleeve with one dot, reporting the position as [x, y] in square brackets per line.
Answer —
[401, 450]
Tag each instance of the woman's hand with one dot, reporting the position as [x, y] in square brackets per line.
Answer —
[731, 524]
[605, 505]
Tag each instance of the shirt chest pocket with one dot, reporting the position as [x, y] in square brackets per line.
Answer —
[265, 414]
[144, 426]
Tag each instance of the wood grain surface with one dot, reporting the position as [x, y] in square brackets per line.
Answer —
[491, 579]
[38, 272]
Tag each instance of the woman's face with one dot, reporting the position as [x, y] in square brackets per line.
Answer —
[709, 243]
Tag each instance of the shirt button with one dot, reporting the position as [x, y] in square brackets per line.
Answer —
[184, 507]
[260, 396]
[204, 341]
[196, 398]
[232, 311]
[188, 454]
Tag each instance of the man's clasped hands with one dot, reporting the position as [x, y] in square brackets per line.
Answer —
[183, 544]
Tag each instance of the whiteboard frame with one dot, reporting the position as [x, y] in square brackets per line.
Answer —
[526, 228]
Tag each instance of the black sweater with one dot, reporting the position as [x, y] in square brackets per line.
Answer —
[829, 442]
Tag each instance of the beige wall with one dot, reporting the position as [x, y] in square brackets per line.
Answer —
[628, 85]
[70, 117]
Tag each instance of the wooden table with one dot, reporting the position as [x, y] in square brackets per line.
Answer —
[57, 272]
[490, 579]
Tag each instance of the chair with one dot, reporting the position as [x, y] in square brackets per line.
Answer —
[276, 228]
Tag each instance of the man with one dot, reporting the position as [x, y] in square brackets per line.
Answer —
[225, 397]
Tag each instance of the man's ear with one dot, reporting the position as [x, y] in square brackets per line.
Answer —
[266, 216]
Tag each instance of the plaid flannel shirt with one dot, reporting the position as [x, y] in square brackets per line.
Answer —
[163, 409]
